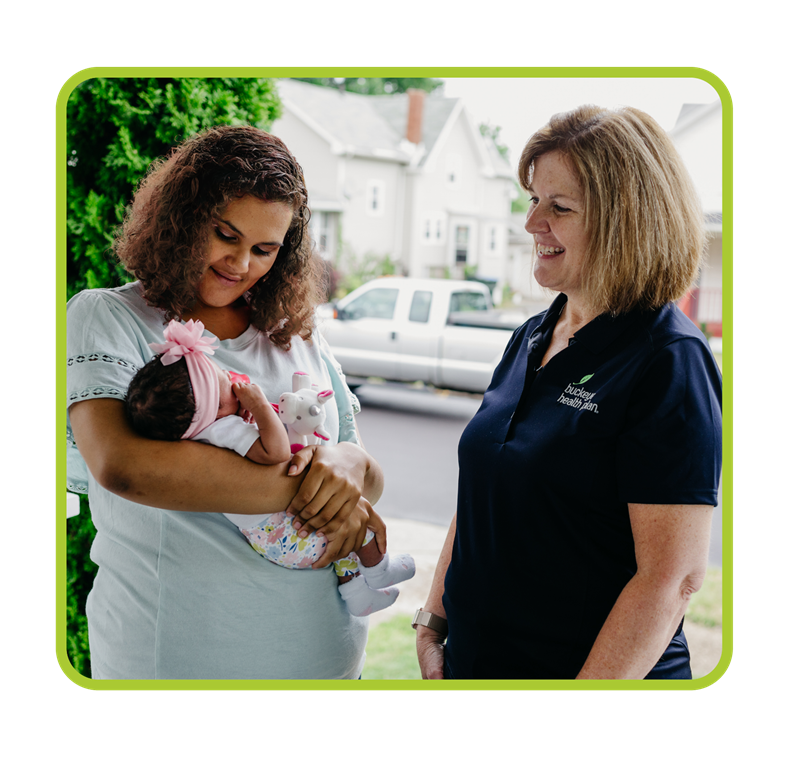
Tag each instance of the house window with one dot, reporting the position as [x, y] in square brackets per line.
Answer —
[433, 229]
[323, 232]
[462, 243]
[376, 198]
[453, 169]
[493, 239]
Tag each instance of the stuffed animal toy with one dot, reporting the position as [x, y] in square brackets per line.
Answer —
[303, 411]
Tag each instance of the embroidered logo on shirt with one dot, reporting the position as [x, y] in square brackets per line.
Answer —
[575, 397]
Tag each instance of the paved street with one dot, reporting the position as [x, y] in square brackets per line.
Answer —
[414, 434]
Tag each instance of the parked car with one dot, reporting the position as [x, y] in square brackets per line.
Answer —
[440, 331]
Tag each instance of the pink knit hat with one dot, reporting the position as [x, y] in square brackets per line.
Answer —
[187, 341]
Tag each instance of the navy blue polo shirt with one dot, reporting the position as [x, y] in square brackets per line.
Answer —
[629, 412]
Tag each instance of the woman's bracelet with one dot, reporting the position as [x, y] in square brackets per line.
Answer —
[431, 620]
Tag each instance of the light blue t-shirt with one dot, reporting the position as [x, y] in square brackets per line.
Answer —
[182, 595]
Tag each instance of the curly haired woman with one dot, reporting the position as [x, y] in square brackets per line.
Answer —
[217, 232]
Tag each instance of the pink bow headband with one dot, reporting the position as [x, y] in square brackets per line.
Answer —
[187, 341]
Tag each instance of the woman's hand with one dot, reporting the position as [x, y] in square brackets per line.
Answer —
[330, 499]
[346, 535]
[430, 653]
[430, 643]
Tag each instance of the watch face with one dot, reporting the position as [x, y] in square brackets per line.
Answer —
[420, 618]
[429, 620]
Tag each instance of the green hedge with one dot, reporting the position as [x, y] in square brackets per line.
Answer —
[80, 575]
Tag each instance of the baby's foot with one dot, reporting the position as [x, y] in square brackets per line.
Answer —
[391, 570]
[361, 600]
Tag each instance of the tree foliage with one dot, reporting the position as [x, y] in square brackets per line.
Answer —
[80, 575]
[115, 129]
[377, 86]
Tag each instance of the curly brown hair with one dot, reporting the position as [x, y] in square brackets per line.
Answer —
[162, 241]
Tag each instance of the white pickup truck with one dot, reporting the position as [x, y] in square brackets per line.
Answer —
[440, 331]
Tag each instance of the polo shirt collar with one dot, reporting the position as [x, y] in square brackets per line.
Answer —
[598, 334]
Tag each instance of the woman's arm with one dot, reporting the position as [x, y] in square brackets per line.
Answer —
[671, 544]
[180, 476]
[191, 476]
[430, 643]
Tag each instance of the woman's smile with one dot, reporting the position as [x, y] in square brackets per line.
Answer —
[226, 280]
[545, 251]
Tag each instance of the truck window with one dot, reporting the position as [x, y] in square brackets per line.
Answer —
[420, 306]
[468, 301]
[377, 303]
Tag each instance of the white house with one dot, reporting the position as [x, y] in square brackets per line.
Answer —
[407, 176]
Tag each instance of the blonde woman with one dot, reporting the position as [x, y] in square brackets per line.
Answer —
[590, 472]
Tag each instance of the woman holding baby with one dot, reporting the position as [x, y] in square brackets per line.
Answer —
[217, 233]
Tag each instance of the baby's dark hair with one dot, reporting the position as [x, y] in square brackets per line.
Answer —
[160, 403]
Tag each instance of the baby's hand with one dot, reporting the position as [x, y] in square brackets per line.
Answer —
[251, 399]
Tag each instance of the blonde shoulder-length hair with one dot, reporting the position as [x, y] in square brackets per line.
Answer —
[647, 233]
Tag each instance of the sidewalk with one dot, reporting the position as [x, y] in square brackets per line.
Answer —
[424, 542]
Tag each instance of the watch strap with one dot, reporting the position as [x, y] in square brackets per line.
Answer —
[431, 620]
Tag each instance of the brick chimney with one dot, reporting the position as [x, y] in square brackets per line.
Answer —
[416, 103]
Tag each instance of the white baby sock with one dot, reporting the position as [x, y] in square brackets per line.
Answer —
[389, 571]
[362, 600]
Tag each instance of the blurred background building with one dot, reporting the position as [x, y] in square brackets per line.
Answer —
[411, 179]
[406, 176]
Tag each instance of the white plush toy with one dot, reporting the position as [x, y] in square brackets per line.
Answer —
[303, 411]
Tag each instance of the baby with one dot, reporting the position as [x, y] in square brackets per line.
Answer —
[183, 394]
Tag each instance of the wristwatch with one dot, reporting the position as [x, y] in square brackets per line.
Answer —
[431, 620]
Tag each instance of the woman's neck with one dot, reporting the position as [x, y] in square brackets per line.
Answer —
[572, 318]
[224, 323]
[575, 316]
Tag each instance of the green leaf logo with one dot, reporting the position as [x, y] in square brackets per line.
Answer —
[584, 380]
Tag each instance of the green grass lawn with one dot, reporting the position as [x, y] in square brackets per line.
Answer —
[392, 653]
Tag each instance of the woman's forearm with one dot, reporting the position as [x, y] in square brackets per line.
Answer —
[434, 601]
[179, 476]
[637, 631]
[430, 643]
